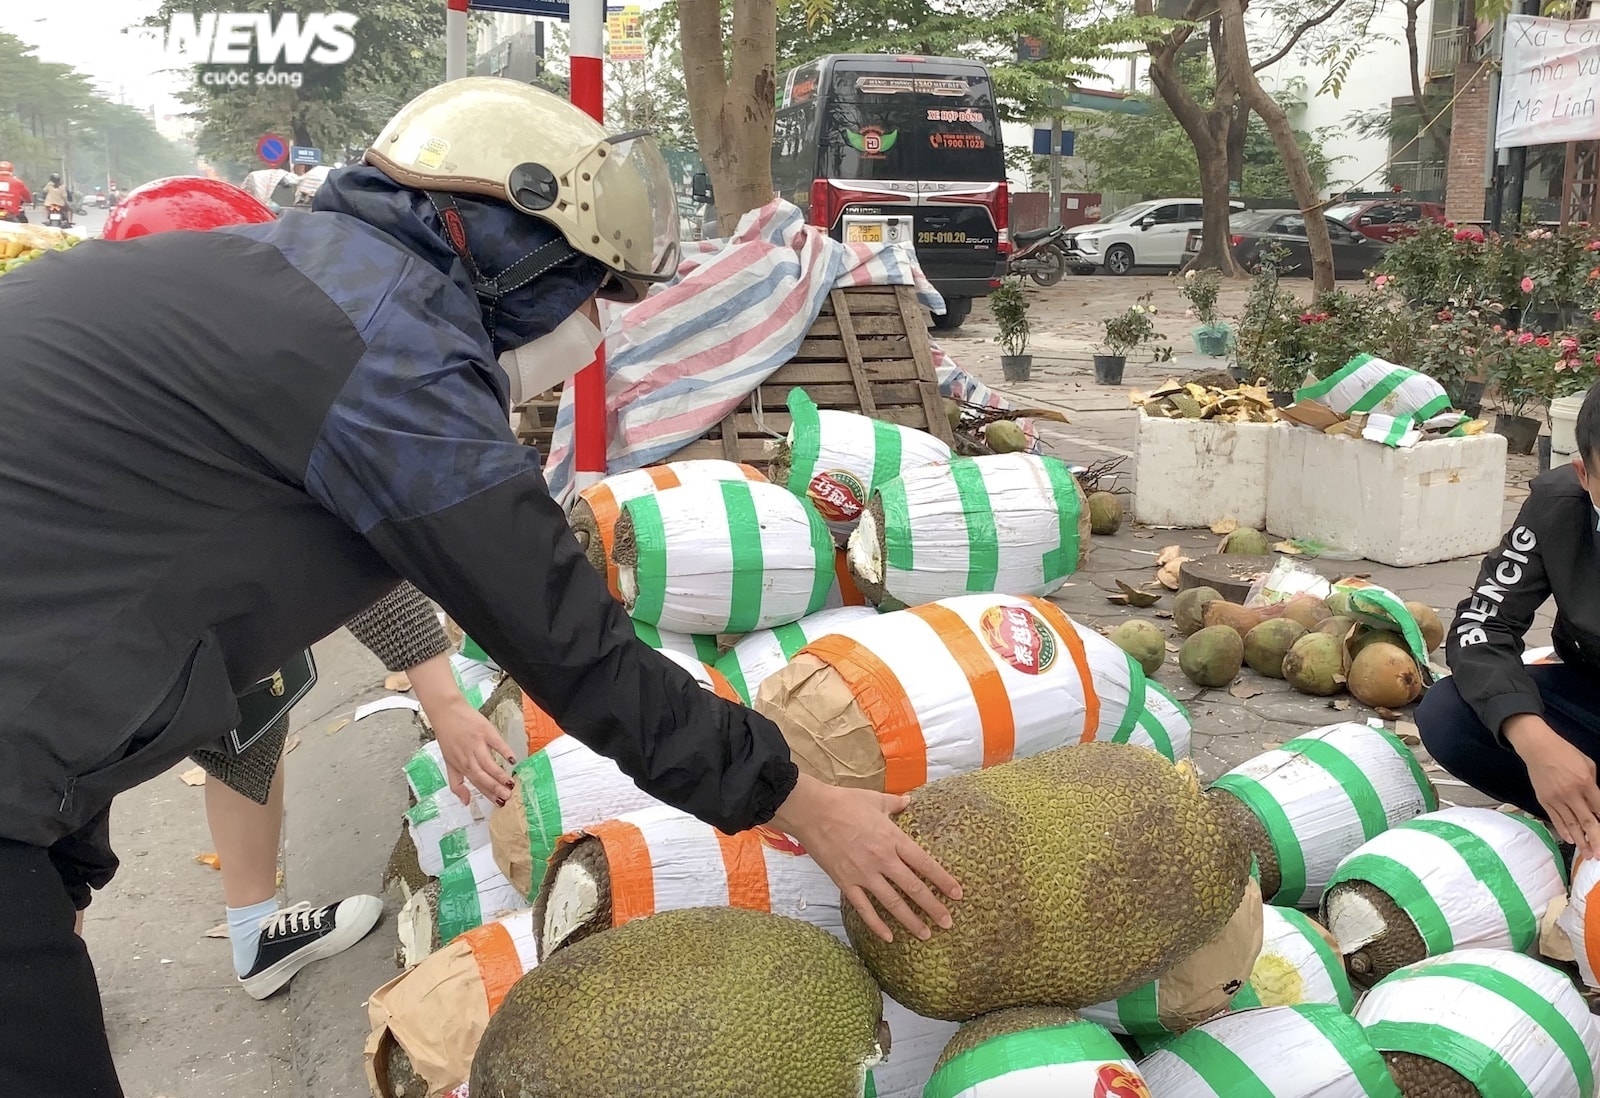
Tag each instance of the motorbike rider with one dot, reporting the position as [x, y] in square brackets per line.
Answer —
[56, 195]
[307, 411]
[14, 194]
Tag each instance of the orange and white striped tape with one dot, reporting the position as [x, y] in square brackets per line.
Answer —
[503, 951]
[973, 681]
[661, 859]
[1581, 919]
[606, 498]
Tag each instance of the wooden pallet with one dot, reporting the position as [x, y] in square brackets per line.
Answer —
[866, 352]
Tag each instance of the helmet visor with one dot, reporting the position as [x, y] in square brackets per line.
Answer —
[637, 207]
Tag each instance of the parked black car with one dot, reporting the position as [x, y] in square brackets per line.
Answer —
[1253, 232]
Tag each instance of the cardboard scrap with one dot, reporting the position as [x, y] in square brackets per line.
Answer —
[1129, 595]
[193, 776]
[209, 860]
[399, 682]
[1224, 527]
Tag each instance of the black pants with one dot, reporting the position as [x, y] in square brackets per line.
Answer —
[1460, 742]
[52, 1030]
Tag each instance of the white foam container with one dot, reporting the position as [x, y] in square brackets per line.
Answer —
[1192, 472]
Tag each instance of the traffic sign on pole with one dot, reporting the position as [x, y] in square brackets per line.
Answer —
[305, 154]
[273, 149]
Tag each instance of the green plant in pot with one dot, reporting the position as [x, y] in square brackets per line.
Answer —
[1010, 308]
[1124, 332]
[1201, 289]
[1517, 366]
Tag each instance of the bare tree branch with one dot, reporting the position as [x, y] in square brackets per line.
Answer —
[1300, 32]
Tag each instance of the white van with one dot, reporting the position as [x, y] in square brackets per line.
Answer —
[1146, 234]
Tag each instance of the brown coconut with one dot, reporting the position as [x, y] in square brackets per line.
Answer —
[1420, 1077]
[1428, 623]
[1384, 675]
[1238, 618]
[1377, 936]
[1337, 626]
[1309, 612]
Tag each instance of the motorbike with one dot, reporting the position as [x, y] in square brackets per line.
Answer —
[1039, 255]
[57, 217]
[16, 217]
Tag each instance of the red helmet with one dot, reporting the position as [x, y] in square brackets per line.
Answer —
[183, 203]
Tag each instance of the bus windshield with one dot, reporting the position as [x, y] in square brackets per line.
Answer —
[910, 126]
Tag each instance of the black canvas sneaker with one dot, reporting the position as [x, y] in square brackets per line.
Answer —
[299, 935]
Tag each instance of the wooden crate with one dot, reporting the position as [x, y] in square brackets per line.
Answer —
[866, 352]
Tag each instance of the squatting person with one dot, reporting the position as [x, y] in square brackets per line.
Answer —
[1530, 735]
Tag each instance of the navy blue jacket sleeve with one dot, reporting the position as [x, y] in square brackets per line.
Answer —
[417, 454]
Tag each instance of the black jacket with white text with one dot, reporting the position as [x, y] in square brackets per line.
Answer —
[1553, 549]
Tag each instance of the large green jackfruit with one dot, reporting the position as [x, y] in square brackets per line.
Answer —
[1086, 872]
[709, 1002]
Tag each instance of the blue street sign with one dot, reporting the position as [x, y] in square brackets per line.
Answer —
[1041, 141]
[273, 149]
[548, 9]
[305, 154]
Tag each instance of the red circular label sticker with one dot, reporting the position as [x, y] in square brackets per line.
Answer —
[837, 495]
[1116, 1081]
[1019, 637]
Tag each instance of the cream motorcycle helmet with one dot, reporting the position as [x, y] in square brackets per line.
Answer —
[609, 195]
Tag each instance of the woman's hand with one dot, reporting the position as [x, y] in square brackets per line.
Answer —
[850, 834]
[472, 746]
[1563, 779]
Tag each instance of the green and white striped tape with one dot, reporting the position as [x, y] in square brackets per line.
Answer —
[1296, 965]
[755, 657]
[1309, 814]
[1514, 1026]
[996, 1068]
[695, 646]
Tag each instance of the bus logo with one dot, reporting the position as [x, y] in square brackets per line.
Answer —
[872, 140]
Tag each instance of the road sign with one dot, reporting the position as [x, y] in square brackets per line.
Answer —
[1041, 141]
[1030, 48]
[272, 149]
[548, 9]
[305, 154]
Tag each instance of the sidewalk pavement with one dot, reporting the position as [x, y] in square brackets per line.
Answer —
[181, 1027]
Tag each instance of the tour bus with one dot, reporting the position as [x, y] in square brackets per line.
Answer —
[880, 149]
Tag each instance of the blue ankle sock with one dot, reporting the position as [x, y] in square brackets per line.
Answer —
[244, 931]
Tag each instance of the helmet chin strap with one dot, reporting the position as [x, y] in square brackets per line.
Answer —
[492, 290]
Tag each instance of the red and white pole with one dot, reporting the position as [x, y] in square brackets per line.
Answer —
[587, 59]
[455, 39]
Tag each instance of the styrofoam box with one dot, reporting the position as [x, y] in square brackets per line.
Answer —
[1435, 501]
[1191, 472]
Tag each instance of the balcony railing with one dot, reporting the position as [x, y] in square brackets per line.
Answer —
[1446, 49]
[1423, 181]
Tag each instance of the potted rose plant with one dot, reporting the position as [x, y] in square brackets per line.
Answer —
[1201, 289]
[1010, 308]
[1127, 330]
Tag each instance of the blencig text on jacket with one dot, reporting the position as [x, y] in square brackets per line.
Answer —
[1486, 600]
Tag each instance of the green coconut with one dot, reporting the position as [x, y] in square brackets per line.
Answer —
[1246, 542]
[1144, 641]
[1105, 513]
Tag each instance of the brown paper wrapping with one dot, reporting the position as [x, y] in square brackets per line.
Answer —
[437, 1012]
[508, 841]
[829, 736]
[1202, 986]
[1553, 941]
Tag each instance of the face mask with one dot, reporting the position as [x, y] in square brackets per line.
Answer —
[552, 358]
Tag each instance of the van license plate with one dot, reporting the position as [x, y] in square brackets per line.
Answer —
[863, 234]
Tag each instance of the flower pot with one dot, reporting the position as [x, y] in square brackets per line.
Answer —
[1237, 373]
[1108, 368]
[1544, 453]
[1282, 398]
[1017, 367]
[1520, 432]
[1469, 396]
[1212, 340]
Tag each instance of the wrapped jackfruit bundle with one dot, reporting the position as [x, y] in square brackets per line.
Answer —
[594, 514]
[443, 830]
[1483, 1023]
[837, 459]
[748, 663]
[1452, 879]
[842, 590]
[1308, 1051]
[469, 893]
[1016, 524]
[426, 1022]
[731, 557]
[541, 728]
[1034, 1050]
[1151, 717]
[702, 648]
[1299, 963]
[1580, 920]
[1307, 804]
[1197, 988]
[559, 789]
[893, 702]
[660, 859]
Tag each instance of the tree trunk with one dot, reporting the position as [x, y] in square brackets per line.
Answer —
[1208, 132]
[1425, 134]
[731, 107]
[1236, 47]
